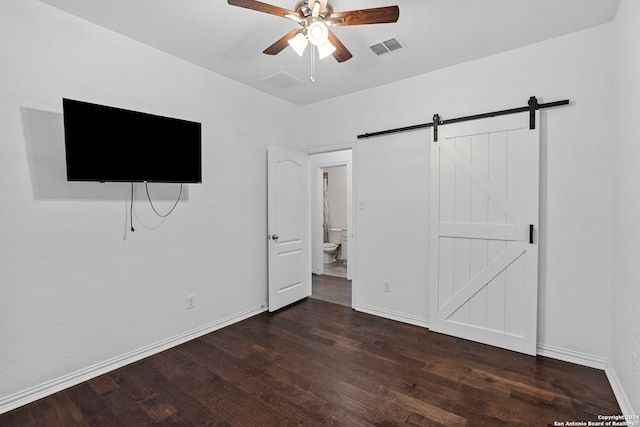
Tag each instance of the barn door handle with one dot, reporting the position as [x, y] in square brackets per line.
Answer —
[531, 234]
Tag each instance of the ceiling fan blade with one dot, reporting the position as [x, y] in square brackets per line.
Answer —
[263, 7]
[378, 15]
[341, 53]
[281, 44]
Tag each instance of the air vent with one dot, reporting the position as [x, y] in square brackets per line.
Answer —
[282, 80]
[387, 45]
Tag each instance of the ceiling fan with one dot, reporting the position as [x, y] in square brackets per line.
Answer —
[315, 16]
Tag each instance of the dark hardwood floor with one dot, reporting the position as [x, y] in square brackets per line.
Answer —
[318, 363]
[331, 289]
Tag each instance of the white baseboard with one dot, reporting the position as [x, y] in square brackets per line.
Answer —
[618, 391]
[572, 356]
[592, 362]
[394, 315]
[50, 387]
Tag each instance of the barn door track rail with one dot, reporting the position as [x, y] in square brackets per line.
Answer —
[532, 106]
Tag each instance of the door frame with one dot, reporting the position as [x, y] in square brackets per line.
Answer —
[316, 165]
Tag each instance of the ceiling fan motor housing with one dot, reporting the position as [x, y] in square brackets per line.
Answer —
[305, 11]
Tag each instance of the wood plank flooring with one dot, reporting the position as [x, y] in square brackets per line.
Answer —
[331, 289]
[318, 363]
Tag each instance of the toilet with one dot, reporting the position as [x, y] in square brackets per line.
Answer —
[331, 247]
[330, 250]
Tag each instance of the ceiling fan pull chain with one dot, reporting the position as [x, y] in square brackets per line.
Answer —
[313, 64]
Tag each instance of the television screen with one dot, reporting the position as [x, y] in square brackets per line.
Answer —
[112, 144]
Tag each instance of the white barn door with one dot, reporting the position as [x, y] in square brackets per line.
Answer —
[289, 226]
[484, 222]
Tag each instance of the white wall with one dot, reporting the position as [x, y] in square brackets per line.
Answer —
[337, 195]
[73, 292]
[575, 205]
[625, 290]
[392, 227]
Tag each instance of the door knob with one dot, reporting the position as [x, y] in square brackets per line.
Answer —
[275, 236]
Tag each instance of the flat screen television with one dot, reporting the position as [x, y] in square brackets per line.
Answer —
[109, 144]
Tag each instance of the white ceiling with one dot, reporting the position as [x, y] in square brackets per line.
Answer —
[438, 33]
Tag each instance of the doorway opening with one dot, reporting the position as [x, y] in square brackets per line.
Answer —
[334, 221]
[332, 226]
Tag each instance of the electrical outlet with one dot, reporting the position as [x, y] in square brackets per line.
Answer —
[191, 302]
[387, 286]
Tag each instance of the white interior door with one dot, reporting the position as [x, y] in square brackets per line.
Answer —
[289, 227]
[484, 268]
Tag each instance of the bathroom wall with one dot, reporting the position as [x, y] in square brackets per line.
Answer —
[337, 196]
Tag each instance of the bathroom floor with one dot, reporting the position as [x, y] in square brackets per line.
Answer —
[337, 269]
[331, 289]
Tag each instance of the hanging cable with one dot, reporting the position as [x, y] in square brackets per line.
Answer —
[131, 209]
[146, 185]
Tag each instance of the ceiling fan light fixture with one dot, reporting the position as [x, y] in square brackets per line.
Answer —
[325, 49]
[298, 43]
[317, 33]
